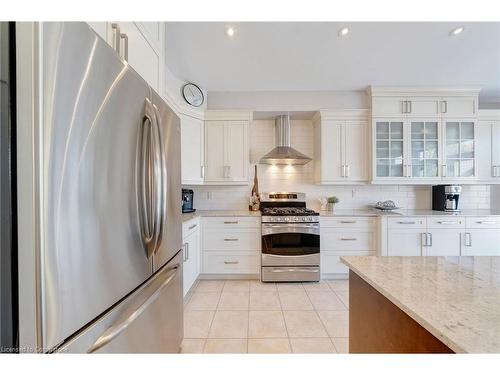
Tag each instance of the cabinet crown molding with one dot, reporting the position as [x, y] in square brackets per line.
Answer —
[235, 115]
[344, 114]
[423, 90]
[488, 114]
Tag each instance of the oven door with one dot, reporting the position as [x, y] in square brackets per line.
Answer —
[290, 244]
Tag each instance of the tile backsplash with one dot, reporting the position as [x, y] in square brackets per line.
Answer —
[300, 178]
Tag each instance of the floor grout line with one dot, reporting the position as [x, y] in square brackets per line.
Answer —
[281, 310]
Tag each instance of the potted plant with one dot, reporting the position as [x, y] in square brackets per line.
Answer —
[331, 201]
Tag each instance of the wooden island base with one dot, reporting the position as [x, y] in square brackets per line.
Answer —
[376, 325]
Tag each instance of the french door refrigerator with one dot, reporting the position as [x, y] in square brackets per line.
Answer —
[99, 192]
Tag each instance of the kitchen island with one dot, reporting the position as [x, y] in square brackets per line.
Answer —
[424, 304]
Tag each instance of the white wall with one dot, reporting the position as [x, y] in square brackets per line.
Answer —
[288, 100]
[300, 178]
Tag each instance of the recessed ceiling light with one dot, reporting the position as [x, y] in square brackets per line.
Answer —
[230, 31]
[457, 30]
[344, 31]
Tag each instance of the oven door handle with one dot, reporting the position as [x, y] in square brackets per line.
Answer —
[283, 270]
[269, 229]
[291, 225]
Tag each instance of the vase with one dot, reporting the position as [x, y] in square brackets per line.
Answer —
[330, 206]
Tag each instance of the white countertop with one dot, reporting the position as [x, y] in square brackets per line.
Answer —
[344, 212]
[457, 299]
[374, 212]
[219, 213]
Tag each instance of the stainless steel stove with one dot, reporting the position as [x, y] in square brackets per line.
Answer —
[290, 238]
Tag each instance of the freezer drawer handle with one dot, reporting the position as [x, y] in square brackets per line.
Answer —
[406, 222]
[230, 222]
[131, 314]
[348, 239]
[232, 262]
[348, 222]
[230, 239]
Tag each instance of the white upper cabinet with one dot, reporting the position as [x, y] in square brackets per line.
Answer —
[139, 43]
[459, 144]
[488, 146]
[458, 106]
[424, 136]
[226, 147]
[341, 147]
[192, 146]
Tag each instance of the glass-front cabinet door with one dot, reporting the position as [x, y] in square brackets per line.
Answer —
[424, 148]
[459, 145]
[389, 149]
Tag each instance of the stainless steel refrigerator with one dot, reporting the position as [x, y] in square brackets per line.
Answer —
[99, 186]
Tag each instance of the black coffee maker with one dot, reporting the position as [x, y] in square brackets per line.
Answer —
[187, 201]
[445, 197]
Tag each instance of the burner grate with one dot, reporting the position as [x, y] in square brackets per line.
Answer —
[284, 211]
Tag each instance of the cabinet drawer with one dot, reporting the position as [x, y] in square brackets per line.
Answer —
[482, 222]
[231, 222]
[406, 222]
[330, 261]
[190, 227]
[349, 222]
[446, 222]
[230, 240]
[233, 263]
[347, 240]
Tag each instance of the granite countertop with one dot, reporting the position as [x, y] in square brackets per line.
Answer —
[457, 299]
[374, 212]
[219, 213]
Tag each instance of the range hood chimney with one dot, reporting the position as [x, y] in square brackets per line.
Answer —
[283, 154]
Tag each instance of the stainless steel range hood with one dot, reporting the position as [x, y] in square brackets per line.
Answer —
[283, 153]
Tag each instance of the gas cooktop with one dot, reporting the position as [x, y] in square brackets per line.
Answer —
[288, 211]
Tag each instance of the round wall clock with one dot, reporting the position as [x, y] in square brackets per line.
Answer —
[193, 95]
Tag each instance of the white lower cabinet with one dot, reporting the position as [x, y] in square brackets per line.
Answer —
[482, 236]
[442, 236]
[443, 242]
[191, 253]
[345, 236]
[406, 236]
[231, 245]
[481, 242]
[405, 242]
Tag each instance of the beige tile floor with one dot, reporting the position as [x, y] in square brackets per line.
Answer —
[247, 316]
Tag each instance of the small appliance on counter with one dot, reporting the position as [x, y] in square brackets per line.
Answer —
[445, 197]
[187, 201]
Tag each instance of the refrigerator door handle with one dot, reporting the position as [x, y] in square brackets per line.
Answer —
[161, 181]
[144, 186]
[133, 313]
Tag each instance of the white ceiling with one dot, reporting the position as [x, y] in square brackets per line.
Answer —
[309, 56]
